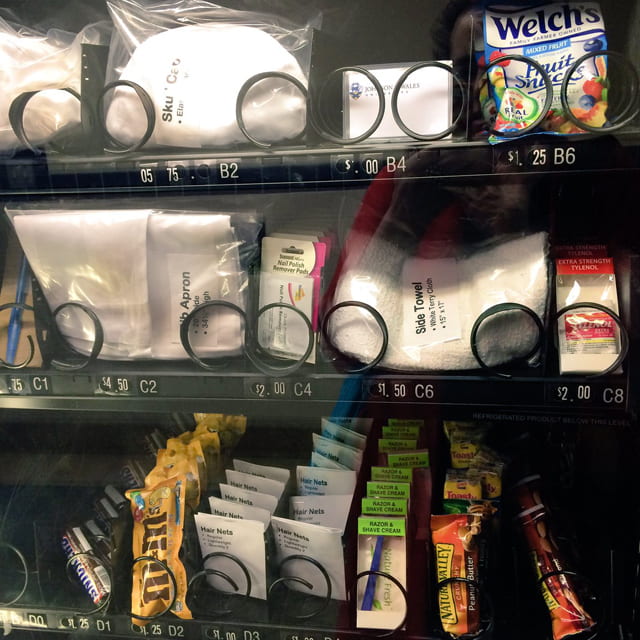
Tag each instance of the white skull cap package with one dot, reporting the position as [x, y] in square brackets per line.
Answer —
[430, 305]
[141, 271]
[192, 58]
[33, 61]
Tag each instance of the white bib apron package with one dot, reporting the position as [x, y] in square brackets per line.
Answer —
[141, 271]
[192, 63]
[196, 257]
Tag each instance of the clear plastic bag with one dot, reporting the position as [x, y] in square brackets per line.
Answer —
[589, 340]
[43, 62]
[192, 57]
[142, 272]
[418, 288]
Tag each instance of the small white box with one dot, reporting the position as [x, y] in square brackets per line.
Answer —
[424, 102]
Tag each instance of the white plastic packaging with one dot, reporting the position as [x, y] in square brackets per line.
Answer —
[429, 305]
[142, 272]
[296, 540]
[242, 539]
[192, 57]
[588, 337]
[43, 62]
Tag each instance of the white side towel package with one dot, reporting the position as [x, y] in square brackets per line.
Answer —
[430, 306]
[141, 271]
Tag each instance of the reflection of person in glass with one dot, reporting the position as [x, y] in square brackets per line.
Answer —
[469, 244]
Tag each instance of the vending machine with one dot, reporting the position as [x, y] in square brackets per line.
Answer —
[318, 321]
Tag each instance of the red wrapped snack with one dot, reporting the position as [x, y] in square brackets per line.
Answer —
[568, 616]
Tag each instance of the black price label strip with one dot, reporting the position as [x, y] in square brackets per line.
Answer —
[285, 388]
[161, 629]
[588, 394]
[609, 394]
[17, 385]
[538, 157]
[492, 392]
[401, 390]
[116, 385]
[267, 388]
[229, 632]
[25, 619]
[306, 634]
[367, 166]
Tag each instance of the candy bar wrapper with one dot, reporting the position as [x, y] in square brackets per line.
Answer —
[90, 571]
[464, 446]
[191, 448]
[158, 517]
[230, 428]
[177, 459]
[132, 474]
[212, 450]
[568, 616]
[98, 540]
[457, 556]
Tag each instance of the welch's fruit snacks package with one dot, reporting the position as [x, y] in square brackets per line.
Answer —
[552, 38]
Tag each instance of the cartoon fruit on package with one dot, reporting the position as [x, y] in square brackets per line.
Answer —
[497, 55]
[591, 106]
[593, 88]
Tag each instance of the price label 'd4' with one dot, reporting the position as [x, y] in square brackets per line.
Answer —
[304, 634]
